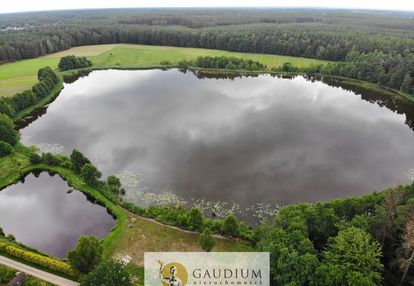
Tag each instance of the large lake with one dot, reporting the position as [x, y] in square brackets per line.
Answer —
[245, 141]
[44, 213]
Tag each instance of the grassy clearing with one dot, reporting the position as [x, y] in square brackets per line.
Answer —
[7, 274]
[19, 76]
[146, 56]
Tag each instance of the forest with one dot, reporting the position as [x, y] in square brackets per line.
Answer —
[372, 46]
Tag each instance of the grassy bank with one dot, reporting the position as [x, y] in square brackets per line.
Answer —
[7, 274]
[21, 75]
[132, 234]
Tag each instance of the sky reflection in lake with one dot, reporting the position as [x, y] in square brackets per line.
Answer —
[246, 140]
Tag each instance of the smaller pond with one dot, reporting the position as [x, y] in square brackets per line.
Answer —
[43, 212]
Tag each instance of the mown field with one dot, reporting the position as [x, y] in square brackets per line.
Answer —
[21, 75]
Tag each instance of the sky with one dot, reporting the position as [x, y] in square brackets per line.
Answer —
[8, 6]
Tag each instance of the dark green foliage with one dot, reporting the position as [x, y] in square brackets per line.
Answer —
[90, 174]
[7, 107]
[375, 47]
[114, 185]
[47, 80]
[6, 274]
[34, 158]
[107, 273]
[196, 219]
[230, 227]
[5, 149]
[7, 132]
[288, 67]
[73, 62]
[47, 74]
[352, 256]
[50, 159]
[231, 63]
[407, 85]
[206, 240]
[11, 237]
[1, 232]
[24, 100]
[113, 181]
[86, 255]
[78, 161]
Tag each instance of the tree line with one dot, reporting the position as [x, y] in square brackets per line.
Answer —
[48, 79]
[230, 63]
[371, 46]
[73, 62]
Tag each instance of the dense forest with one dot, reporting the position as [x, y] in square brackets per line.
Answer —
[374, 46]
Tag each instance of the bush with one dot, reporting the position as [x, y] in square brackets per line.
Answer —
[5, 149]
[7, 132]
[38, 259]
[196, 219]
[78, 161]
[50, 159]
[1, 232]
[73, 62]
[90, 174]
[108, 273]
[34, 158]
[7, 107]
[86, 255]
[206, 240]
[230, 227]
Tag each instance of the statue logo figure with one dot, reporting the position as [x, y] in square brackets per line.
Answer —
[173, 274]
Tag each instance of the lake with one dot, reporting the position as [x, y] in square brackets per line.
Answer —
[240, 144]
[43, 212]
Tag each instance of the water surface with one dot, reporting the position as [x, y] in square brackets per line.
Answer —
[248, 140]
[41, 213]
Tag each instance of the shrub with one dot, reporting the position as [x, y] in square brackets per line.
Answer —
[78, 161]
[7, 132]
[73, 62]
[108, 273]
[230, 226]
[90, 174]
[1, 232]
[86, 255]
[50, 159]
[5, 149]
[38, 259]
[196, 219]
[206, 240]
[34, 158]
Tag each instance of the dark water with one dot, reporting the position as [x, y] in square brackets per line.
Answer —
[247, 140]
[40, 213]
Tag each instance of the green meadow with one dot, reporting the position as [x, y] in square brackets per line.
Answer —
[19, 76]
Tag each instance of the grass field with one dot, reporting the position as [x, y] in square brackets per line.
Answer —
[21, 75]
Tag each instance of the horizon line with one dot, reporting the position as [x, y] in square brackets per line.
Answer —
[218, 7]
